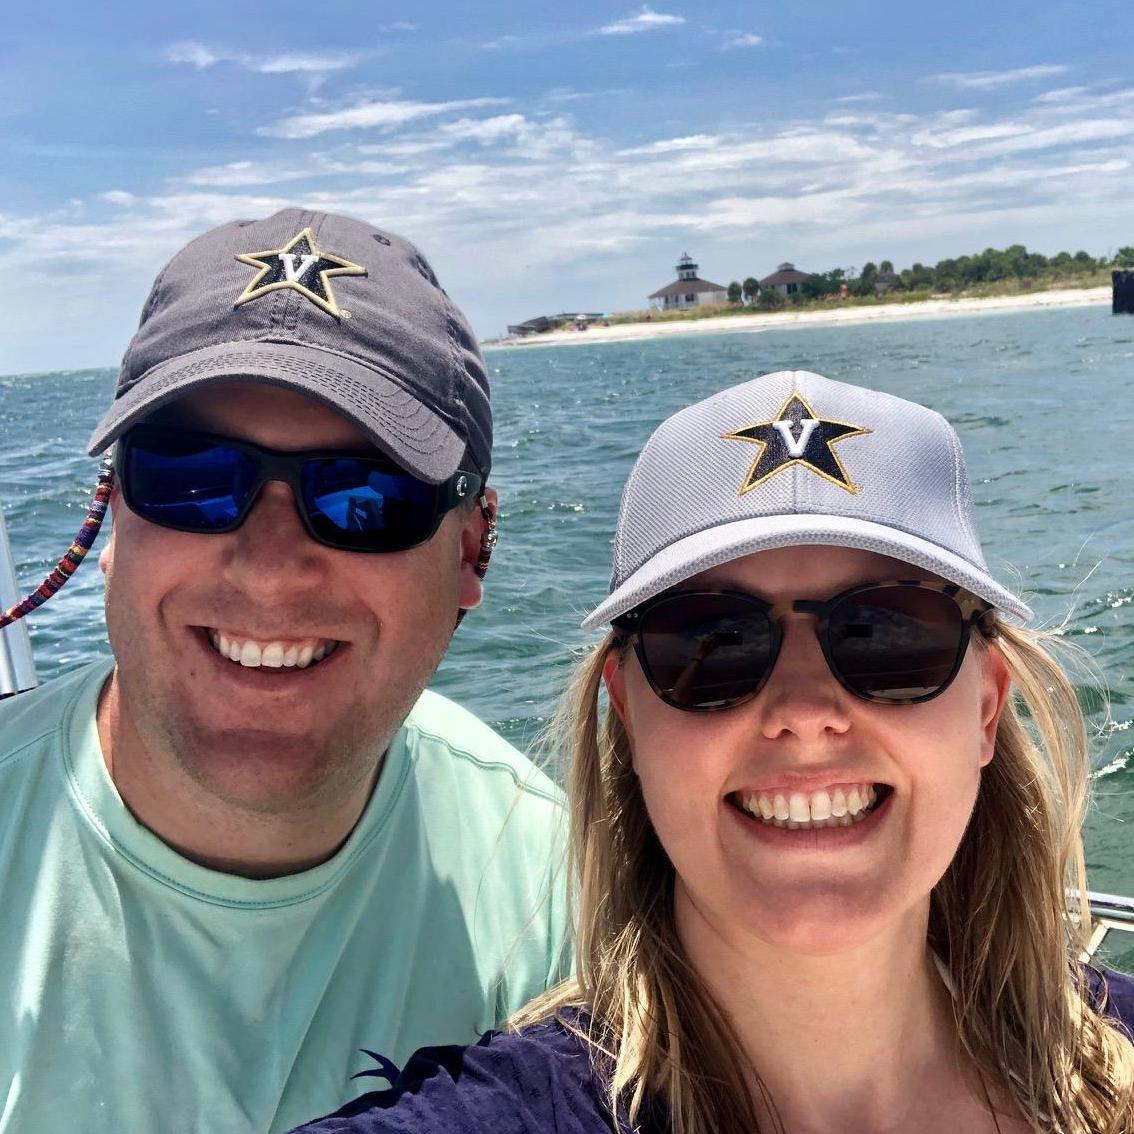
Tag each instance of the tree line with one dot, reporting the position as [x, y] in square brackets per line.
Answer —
[949, 275]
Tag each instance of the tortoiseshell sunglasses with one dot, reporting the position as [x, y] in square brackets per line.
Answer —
[898, 643]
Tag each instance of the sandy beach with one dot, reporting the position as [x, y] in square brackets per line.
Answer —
[762, 321]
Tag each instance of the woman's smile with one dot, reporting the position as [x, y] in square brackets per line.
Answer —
[838, 805]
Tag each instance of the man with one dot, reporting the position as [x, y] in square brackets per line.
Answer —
[254, 846]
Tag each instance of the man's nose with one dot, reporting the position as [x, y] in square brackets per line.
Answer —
[273, 535]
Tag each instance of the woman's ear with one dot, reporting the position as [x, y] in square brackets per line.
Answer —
[614, 677]
[996, 688]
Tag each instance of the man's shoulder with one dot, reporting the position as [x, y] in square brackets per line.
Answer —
[32, 718]
[439, 726]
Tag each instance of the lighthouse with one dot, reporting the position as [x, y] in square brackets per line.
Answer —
[688, 290]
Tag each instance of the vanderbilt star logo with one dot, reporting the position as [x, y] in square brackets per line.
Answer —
[797, 435]
[301, 265]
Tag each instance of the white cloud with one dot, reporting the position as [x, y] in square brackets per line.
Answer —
[501, 43]
[645, 20]
[939, 139]
[486, 130]
[405, 148]
[196, 54]
[303, 64]
[1061, 94]
[201, 56]
[988, 80]
[368, 115]
[866, 96]
[673, 145]
[565, 94]
[237, 174]
[549, 201]
[741, 39]
[451, 170]
[1074, 134]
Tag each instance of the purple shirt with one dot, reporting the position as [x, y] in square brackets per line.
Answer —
[541, 1080]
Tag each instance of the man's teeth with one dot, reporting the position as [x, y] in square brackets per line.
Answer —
[271, 655]
[840, 806]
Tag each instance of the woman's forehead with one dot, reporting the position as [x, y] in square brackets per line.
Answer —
[810, 571]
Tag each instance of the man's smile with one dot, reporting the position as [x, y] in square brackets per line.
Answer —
[270, 653]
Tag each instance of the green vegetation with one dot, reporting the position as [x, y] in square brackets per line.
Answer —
[993, 272]
[1014, 267]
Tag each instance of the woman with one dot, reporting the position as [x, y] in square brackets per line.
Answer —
[821, 862]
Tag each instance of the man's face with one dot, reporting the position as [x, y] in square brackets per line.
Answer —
[273, 738]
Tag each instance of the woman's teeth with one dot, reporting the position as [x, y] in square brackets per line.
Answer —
[271, 655]
[841, 806]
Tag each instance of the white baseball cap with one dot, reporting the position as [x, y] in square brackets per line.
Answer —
[795, 459]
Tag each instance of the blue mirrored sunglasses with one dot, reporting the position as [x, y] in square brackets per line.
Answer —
[198, 482]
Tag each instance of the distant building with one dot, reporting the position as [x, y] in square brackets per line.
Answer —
[541, 323]
[531, 326]
[688, 290]
[884, 281]
[785, 279]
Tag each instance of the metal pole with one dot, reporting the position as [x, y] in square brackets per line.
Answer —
[17, 666]
[1122, 292]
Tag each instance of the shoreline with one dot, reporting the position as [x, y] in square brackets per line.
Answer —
[768, 320]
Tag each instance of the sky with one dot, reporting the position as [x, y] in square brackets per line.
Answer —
[549, 158]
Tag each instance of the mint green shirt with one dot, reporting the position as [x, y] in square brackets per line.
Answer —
[144, 994]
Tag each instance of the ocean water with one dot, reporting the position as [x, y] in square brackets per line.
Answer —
[1044, 403]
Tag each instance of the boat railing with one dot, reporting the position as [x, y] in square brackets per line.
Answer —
[17, 666]
[1109, 912]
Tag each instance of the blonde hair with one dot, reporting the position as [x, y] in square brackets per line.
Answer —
[999, 920]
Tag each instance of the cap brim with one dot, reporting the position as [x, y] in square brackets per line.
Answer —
[411, 433]
[726, 542]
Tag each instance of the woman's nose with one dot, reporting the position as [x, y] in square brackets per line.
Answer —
[802, 696]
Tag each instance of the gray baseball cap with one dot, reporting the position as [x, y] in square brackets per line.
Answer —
[794, 459]
[331, 307]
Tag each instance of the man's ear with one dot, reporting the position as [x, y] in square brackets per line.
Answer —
[996, 688]
[106, 552]
[478, 536]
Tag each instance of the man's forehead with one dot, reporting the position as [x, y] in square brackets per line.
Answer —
[268, 414]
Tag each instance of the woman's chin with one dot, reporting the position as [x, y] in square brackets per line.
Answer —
[831, 921]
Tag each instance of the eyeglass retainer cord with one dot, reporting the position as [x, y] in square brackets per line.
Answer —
[74, 555]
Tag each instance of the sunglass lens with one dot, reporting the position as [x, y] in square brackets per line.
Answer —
[706, 651]
[357, 503]
[896, 643]
[187, 484]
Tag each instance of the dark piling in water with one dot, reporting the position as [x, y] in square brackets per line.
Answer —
[1122, 302]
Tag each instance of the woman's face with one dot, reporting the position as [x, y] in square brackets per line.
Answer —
[815, 890]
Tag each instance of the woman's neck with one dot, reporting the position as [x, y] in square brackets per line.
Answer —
[862, 1040]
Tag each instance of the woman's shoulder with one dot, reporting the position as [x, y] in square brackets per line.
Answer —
[537, 1079]
[1113, 994]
